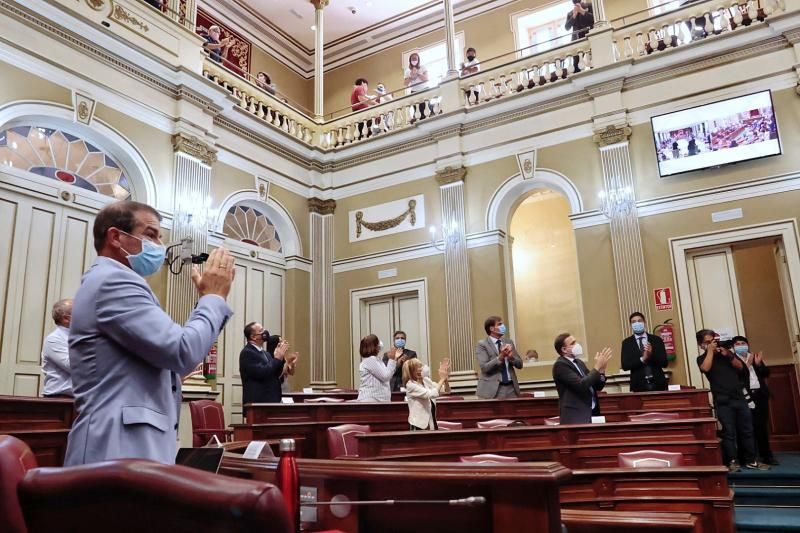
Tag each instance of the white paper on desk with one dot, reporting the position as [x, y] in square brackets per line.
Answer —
[674, 387]
[598, 420]
[538, 394]
[287, 400]
[253, 450]
[402, 389]
[308, 390]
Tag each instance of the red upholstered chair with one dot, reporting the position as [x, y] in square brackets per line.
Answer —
[449, 398]
[495, 423]
[133, 495]
[653, 417]
[441, 424]
[488, 458]
[649, 459]
[342, 440]
[323, 399]
[552, 421]
[208, 419]
[15, 460]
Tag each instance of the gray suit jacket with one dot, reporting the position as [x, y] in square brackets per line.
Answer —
[489, 380]
[127, 358]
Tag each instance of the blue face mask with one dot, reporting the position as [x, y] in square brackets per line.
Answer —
[638, 327]
[399, 343]
[149, 260]
[741, 349]
[502, 329]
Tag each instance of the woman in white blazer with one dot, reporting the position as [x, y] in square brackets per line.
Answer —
[420, 392]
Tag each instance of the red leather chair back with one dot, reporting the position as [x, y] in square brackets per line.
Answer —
[495, 423]
[133, 495]
[342, 440]
[552, 421]
[449, 398]
[652, 417]
[441, 424]
[207, 415]
[649, 459]
[15, 460]
[488, 458]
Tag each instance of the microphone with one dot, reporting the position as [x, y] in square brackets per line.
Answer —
[471, 501]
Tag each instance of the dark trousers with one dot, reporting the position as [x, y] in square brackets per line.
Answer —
[736, 420]
[761, 425]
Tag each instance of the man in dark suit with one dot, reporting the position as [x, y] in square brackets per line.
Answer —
[577, 386]
[645, 356]
[756, 383]
[402, 354]
[260, 371]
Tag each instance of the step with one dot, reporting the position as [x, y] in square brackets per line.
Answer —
[758, 478]
[767, 519]
[767, 496]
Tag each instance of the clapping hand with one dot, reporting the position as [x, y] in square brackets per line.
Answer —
[281, 349]
[648, 351]
[759, 358]
[444, 368]
[601, 359]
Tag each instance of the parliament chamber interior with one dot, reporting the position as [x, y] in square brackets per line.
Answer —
[411, 265]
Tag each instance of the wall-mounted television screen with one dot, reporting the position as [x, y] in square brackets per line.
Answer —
[711, 135]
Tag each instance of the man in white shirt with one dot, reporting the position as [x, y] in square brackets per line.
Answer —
[55, 354]
[756, 385]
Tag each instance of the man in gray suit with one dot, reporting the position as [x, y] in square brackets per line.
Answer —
[127, 355]
[497, 358]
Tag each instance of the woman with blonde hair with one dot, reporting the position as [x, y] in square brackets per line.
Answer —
[420, 392]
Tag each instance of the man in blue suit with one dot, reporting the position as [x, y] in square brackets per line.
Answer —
[127, 355]
[260, 370]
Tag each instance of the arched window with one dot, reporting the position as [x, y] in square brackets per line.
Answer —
[250, 225]
[61, 156]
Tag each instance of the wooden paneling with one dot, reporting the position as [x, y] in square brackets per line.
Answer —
[784, 412]
[42, 423]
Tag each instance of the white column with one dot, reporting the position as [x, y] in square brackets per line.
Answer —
[450, 38]
[626, 238]
[599, 12]
[319, 46]
[193, 160]
[323, 361]
[457, 277]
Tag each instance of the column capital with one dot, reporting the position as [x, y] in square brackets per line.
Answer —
[612, 135]
[191, 145]
[321, 207]
[449, 175]
[320, 4]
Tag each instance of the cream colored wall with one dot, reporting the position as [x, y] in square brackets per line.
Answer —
[295, 87]
[480, 184]
[297, 318]
[761, 300]
[546, 281]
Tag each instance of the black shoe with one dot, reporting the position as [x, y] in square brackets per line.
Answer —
[755, 465]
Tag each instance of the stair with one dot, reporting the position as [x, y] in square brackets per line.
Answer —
[768, 501]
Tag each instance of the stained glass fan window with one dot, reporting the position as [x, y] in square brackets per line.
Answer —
[64, 157]
[249, 225]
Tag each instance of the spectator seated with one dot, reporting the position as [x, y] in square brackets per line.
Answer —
[449, 425]
[487, 458]
[342, 440]
[130, 495]
[495, 423]
[16, 458]
[208, 420]
[652, 417]
[650, 459]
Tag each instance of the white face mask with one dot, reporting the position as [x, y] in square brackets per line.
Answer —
[577, 350]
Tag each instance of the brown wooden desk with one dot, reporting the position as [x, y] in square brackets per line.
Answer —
[574, 446]
[300, 397]
[520, 498]
[42, 423]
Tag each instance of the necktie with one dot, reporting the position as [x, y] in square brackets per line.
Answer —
[504, 368]
[583, 374]
[641, 344]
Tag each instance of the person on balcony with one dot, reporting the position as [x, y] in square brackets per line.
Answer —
[579, 20]
[359, 99]
[217, 48]
[471, 66]
[415, 78]
[155, 3]
[265, 83]
[382, 96]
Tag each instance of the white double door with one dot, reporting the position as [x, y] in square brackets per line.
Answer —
[44, 250]
[383, 315]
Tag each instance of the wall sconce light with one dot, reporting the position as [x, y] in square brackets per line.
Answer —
[195, 210]
[616, 202]
[450, 235]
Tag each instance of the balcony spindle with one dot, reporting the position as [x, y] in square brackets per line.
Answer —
[708, 28]
[551, 67]
[532, 76]
[614, 49]
[640, 50]
[581, 55]
[737, 14]
[628, 48]
[652, 41]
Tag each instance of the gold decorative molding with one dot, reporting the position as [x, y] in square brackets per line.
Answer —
[194, 147]
[612, 135]
[320, 4]
[450, 175]
[383, 225]
[84, 108]
[321, 207]
[97, 5]
[120, 14]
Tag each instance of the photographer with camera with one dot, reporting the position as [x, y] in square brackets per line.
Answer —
[579, 21]
[725, 373]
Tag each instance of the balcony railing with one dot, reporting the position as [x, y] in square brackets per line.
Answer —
[627, 41]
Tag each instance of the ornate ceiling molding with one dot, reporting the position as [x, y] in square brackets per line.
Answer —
[321, 207]
[191, 145]
[612, 135]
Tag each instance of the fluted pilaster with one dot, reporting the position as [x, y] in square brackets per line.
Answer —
[323, 361]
